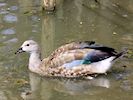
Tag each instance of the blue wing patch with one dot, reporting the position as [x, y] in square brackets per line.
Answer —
[95, 56]
[73, 63]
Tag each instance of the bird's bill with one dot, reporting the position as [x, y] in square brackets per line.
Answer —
[20, 50]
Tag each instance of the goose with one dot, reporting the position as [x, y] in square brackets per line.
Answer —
[75, 59]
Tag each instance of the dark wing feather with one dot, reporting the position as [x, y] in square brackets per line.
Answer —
[103, 49]
[96, 56]
[100, 53]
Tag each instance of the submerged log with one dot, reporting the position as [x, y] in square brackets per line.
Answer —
[48, 5]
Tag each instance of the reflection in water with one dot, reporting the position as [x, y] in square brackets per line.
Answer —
[78, 4]
[48, 34]
[3, 95]
[44, 87]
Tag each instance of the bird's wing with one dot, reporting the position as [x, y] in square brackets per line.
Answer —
[70, 46]
[79, 57]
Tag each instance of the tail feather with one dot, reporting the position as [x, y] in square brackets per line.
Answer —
[120, 54]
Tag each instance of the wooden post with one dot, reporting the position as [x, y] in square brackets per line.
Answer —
[48, 5]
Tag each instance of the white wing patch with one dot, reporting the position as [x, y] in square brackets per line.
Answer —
[102, 66]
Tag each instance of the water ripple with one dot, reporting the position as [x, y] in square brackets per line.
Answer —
[8, 31]
[13, 40]
[10, 18]
[2, 4]
[13, 8]
[3, 11]
[35, 18]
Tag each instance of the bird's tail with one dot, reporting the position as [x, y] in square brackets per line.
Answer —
[120, 54]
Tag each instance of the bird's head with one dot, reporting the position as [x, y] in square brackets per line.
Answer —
[29, 46]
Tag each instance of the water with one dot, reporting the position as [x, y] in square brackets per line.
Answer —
[109, 23]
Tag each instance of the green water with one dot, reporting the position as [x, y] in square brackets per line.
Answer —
[109, 23]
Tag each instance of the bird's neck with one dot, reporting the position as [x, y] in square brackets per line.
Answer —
[34, 62]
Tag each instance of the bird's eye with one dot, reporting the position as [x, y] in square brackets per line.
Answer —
[28, 45]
